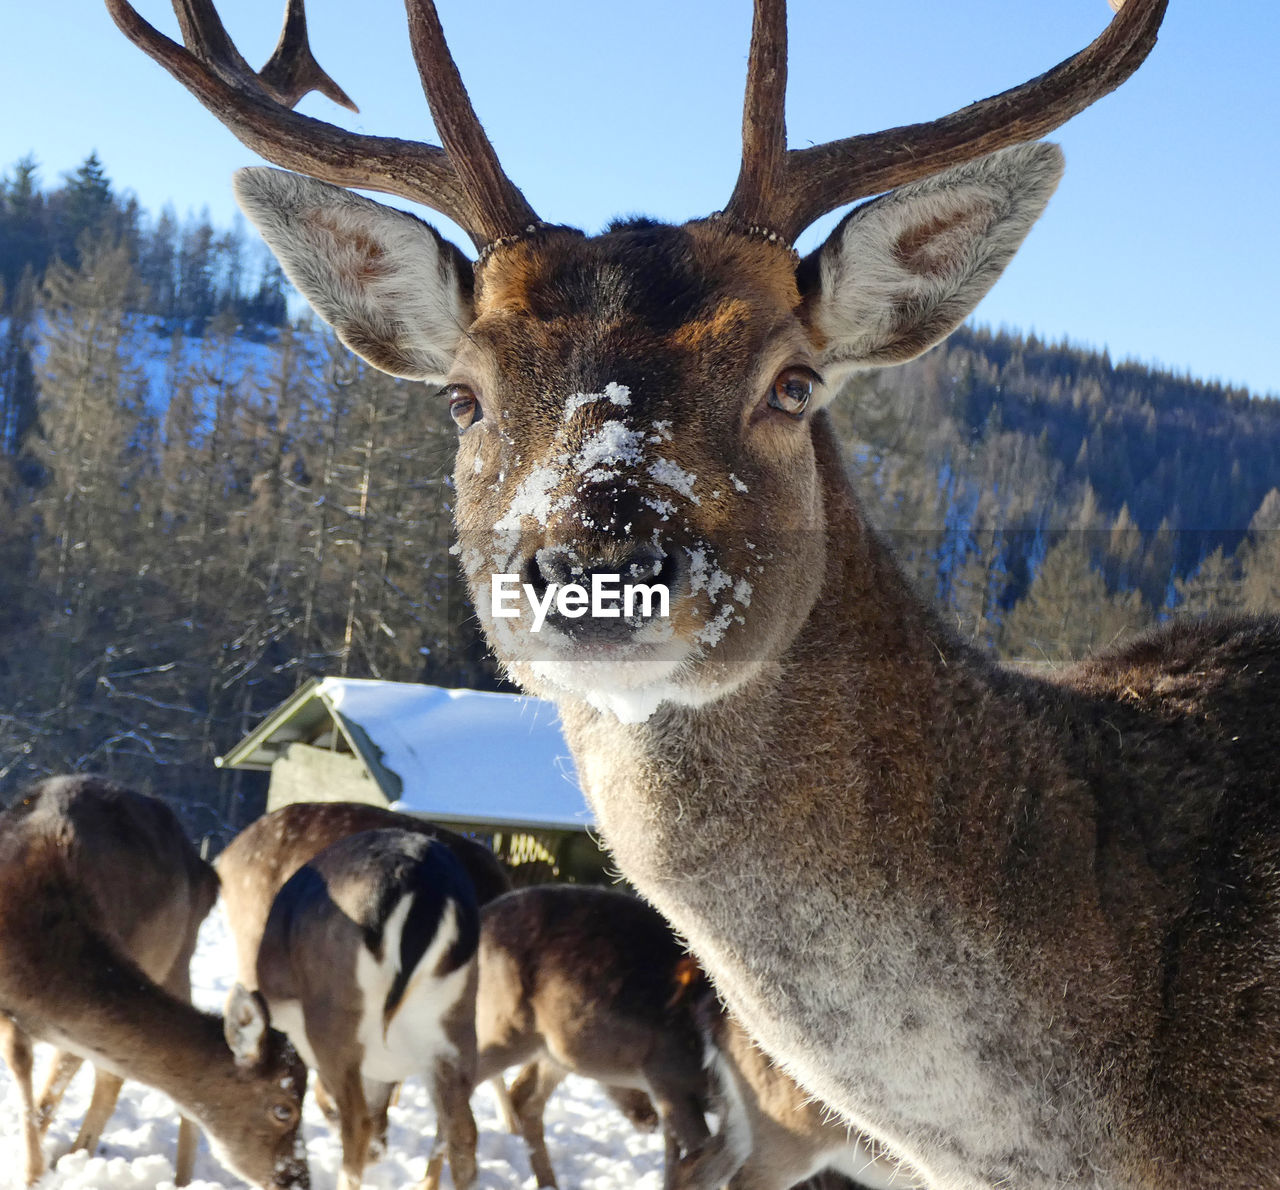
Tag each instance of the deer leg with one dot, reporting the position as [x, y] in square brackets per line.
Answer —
[184, 1163]
[505, 1109]
[684, 1126]
[379, 1097]
[16, 1048]
[106, 1090]
[179, 983]
[355, 1126]
[455, 1125]
[529, 1094]
[324, 1101]
[636, 1106]
[61, 1071]
[718, 1162]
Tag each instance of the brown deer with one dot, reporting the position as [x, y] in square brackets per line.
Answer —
[258, 862]
[152, 892]
[590, 981]
[69, 975]
[368, 964]
[772, 1135]
[255, 865]
[1020, 930]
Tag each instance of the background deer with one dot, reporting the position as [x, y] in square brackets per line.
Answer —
[772, 1135]
[151, 891]
[590, 981]
[67, 978]
[256, 864]
[263, 856]
[367, 962]
[1020, 931]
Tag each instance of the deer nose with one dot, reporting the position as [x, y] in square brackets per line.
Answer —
[559, 566]
[563, 565]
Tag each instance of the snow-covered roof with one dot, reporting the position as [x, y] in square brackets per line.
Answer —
[456, 755]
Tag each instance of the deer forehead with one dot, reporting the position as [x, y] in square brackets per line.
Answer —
[650, 306]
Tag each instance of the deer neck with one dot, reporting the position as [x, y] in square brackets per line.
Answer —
[856, 703]
[837, 839]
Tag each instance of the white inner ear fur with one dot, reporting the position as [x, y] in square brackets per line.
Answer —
[388, 283]
[903, 271]
[245, 1027]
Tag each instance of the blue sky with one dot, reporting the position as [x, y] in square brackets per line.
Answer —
[1160, 245]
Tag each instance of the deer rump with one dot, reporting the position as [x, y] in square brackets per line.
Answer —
[397, 916]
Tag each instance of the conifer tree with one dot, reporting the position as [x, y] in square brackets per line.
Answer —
[1067, 611]
[1260, 558]
[1214, 587]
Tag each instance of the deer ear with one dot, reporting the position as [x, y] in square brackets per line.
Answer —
[901, 272]
[396, 291]
[245, 1024]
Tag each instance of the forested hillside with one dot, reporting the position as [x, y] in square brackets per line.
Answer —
[204, 505]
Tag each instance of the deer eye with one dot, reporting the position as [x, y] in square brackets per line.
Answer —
[464, 405]
[791, 391]
[283, 1113]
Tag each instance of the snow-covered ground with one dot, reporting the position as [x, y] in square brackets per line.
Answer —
[591, 1146]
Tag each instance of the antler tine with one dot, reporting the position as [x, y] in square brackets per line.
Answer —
[501, 204]
[823, 177]
[205, 36]
[214, 72]
[764, 126]
[292, 69]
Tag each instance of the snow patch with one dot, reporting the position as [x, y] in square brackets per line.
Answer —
[615, 394]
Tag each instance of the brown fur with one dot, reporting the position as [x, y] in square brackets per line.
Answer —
[577, 980]
[153, 891]
[256, 863]
[1059, 856]
[71, 848]
[330, 911]
[790, 1133]
[1021, 931]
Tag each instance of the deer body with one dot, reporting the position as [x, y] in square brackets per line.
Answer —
[589, 981]
[152, 892]
[1015, 915]
[257, 863]
[367, 962]
[772, 1134]
[64, 979]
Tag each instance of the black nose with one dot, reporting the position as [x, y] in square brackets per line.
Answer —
[561, 566]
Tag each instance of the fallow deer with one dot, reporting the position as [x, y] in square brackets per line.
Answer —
[590, 981]
[772, 1135]
[1019, 929]
[152, 892]
[66, 978]
[368, 964]
[256, 864]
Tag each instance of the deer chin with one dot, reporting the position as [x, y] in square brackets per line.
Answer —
[628, 681]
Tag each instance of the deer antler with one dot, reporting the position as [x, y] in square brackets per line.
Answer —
[786, 190]
[462, 180]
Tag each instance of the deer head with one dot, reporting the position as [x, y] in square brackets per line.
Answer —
[645, 403]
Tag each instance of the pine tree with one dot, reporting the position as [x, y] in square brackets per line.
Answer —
[91, 443]
[1214, 587]
[1260, 558]
[86, 209]
[24, 235]
[1067, 611]
[17, 371]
